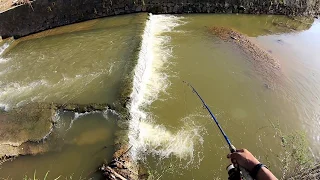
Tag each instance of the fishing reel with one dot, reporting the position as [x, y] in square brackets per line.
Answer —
[234, 173]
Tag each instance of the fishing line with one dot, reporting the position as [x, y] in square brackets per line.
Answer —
[185, 100]
[232, 149]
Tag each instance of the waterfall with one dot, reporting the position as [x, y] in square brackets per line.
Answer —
[145, 136]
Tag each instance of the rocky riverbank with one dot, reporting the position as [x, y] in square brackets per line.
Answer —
[42, 14]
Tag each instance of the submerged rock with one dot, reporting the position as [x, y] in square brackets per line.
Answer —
[82, 108]
[264, 64]
[23, 130]
[32, 122]
[22, 126]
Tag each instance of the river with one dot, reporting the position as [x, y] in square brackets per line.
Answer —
[169, 130]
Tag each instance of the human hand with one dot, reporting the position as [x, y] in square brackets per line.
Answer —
[243, 158]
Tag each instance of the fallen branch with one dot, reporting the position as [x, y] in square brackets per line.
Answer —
[114, 173]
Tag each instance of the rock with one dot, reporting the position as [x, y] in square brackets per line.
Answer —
[138, 9]
[126, 9]
[266, 86]
[165, 9]
[21, 126]
[23, 129]
[280, 41]
[234, 38]
[175, 9]
[144, 8]
[241, 9]
[170, 9]
[6, 158]
[82, 108]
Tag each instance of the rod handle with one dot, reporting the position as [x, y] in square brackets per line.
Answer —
[245, 173]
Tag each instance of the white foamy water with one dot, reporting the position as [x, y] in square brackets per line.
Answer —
[79, 115]
[145, 136]
[108, 112]
[3, 47]
[19, 93]
[9, 92]
[159, 141]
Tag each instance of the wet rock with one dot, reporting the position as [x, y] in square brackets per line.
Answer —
[266, 86]
[23, 125]
[24, 130]
[175, 9]
[83, 108]
[294, 24]
[29, 122]
[138, 9]
[6, 158]
[144, 8]
[280, 41]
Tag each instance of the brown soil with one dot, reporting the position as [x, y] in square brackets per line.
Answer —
[264, 64]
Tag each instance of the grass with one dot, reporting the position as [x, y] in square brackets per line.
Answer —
[35, 177]
[296, 157]
[45, 177]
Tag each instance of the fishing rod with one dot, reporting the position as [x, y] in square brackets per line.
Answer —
[232, 149]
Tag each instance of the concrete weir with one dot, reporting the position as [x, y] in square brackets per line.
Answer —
[23, 129]
[41, 15]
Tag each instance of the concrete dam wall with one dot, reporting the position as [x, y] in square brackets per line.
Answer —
[46, 14]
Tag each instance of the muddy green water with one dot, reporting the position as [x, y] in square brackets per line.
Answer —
[176, 138]
[70, 65]
[81, 63]
[184, 138]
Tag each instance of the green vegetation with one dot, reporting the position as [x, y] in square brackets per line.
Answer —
[35, 178]
[296, 156]
[46, 176]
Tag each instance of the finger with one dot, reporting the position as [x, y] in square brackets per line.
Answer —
[240, 150]
[234, 161]
[229, 156]
[234, 155]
